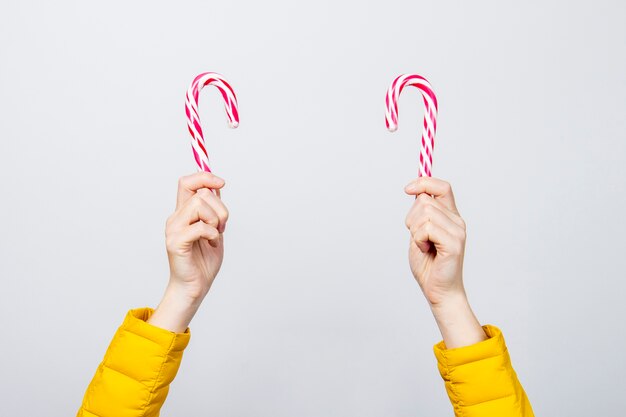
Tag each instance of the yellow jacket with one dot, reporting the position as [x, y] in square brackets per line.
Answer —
[142, 360]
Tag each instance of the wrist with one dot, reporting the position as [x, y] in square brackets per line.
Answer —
[176, 309]
[456, 321]
[450, 304]
[182, 296]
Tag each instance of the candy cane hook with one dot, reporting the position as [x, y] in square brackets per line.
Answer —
[430, 115]
[193, 119]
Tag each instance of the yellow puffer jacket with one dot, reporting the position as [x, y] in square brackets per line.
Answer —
[142, 360]
[480, 379]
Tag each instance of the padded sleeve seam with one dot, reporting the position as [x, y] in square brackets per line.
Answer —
[146, 338]
[457, 398]
[156, 380]
[125, 374]
[490, 400]
[503, 353]
[90, 412]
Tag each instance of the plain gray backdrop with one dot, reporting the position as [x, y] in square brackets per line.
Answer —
[315, 312]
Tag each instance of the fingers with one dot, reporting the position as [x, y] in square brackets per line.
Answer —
[430, 221]
[426, 233]
[197, 209]
[188, 185]
[186, 236]
[200, 213]
[430, 231]
[426, 202]
[430, 212]
[218, 206]
[196, 219]
[441, 190]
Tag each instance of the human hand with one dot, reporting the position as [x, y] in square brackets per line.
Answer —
[436, 251]
[195, 248]
[437, 244]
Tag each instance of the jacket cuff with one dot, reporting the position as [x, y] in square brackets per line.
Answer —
[136, 322]
[491, 347]
[480, 380]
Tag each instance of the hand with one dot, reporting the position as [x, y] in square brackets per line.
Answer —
[437, 242]
[195, 249]
[436, 251]
[194, 240]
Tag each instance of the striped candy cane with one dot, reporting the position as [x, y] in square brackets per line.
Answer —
[193, 119]
[430, 115]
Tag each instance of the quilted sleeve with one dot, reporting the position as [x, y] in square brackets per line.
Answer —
[139, 365]
[480, 380]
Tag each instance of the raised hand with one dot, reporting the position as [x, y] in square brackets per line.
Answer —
[437, 242]
[195, 249]
[436, 251]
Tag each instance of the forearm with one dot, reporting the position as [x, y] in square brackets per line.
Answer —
[176, 309]
[475, 364]
[456, 321]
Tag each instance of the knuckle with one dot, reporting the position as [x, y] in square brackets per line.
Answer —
[200, 227]
[210, 231]
[197, 200]
[170, 243]
[423, 198]
[416, 218]
[203, 192]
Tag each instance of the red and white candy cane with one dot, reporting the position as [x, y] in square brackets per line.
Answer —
[193, 119]
[430, 115]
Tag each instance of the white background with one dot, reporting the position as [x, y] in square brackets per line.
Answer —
[315, 312]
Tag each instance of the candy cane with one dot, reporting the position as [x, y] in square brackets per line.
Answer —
[193, 118]
[430, 115]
